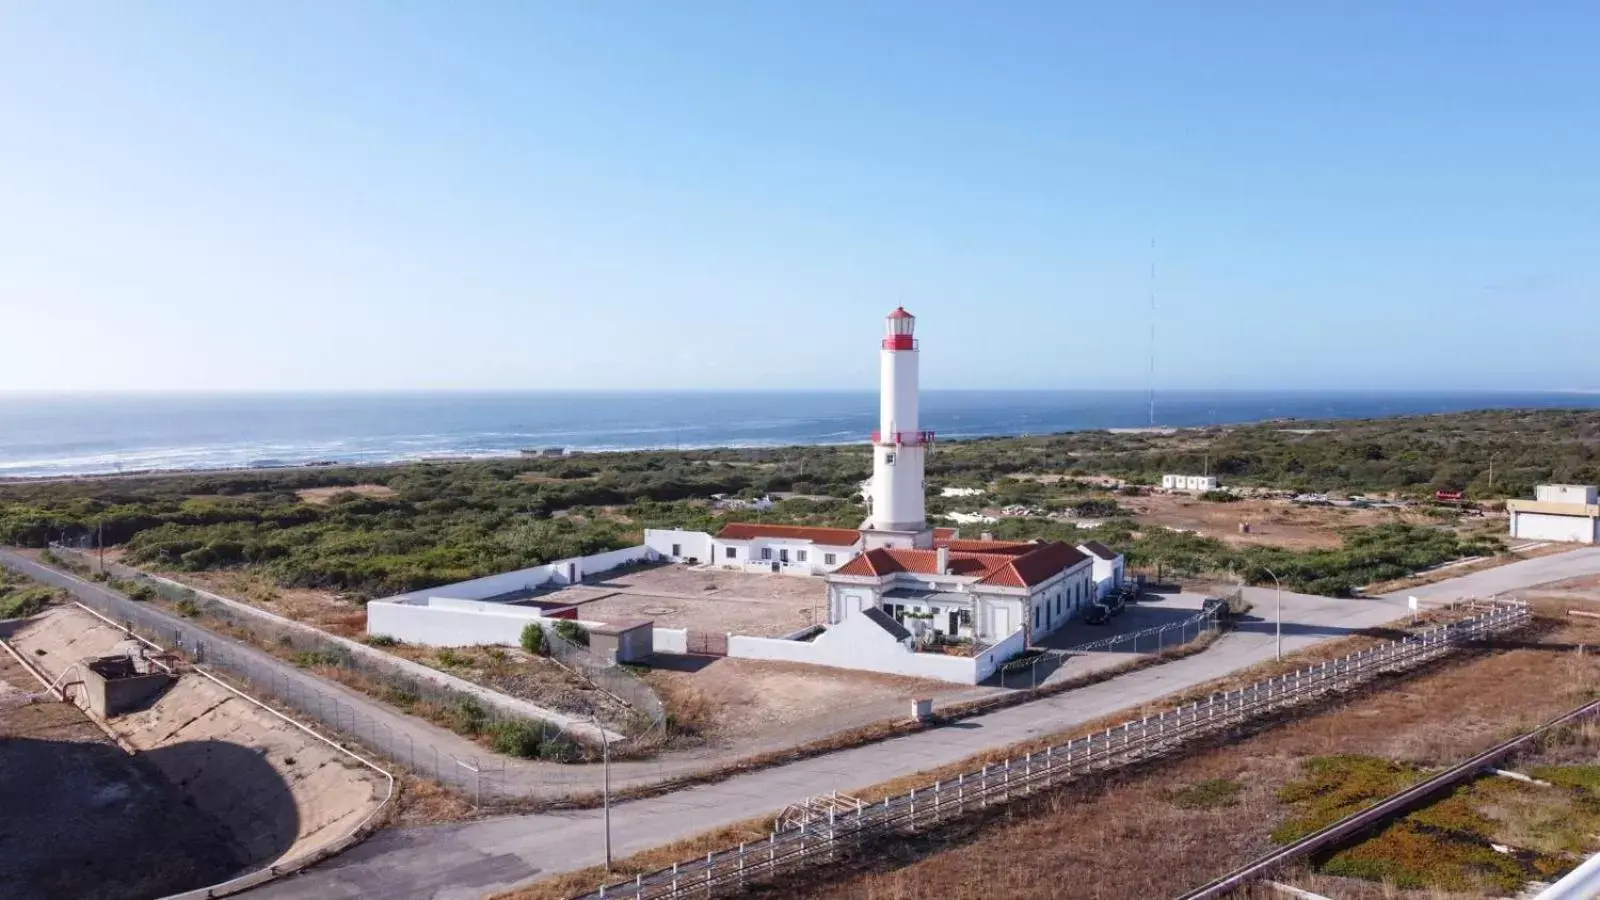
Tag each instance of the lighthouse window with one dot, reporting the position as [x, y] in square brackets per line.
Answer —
[888, 458]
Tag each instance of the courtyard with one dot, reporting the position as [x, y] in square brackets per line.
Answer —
[700, 598]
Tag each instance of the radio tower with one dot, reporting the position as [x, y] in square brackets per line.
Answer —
[1152, 332]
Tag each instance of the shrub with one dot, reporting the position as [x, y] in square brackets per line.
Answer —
[328, 656]
[573, 632]
[1220, 497]
[495, 654]
[140, 592]
[187, 608]
[25, 602]
[1213, 793]
[533, 638]
[468, 717]
[522, 738]
[450, 658]
[382, 640]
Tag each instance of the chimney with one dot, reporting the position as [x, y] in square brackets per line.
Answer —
[944, 560]
[987, 536]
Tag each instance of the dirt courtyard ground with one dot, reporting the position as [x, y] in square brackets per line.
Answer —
[743, 700]
[677, 596]
[1272, 522]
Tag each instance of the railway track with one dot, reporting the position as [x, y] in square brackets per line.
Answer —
[1382, 811]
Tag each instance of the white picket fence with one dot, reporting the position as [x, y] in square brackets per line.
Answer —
[823, 829]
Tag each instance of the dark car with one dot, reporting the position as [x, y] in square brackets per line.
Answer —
[1096, 614]
[1114, 604]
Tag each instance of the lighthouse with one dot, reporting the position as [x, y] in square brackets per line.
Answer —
[898, 518]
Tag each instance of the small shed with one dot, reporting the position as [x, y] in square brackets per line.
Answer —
[627, 641]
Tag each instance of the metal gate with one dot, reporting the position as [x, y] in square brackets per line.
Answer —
[707, 643]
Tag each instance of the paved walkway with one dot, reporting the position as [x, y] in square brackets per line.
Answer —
[474, 859]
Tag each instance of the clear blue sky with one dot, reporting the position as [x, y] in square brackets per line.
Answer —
[349, 195]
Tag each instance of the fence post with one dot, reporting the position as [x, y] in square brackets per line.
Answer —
[741, 864]
[913, 798]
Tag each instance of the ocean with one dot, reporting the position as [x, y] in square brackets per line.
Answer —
[80, 434]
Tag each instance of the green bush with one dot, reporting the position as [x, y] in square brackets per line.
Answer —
[469, 717]
[533, 638]
[24, 602]
[522, 738]
[573, 632]
[1220, 497]
[382, 640]
[186, 607]
[450, 658]
[328, 656]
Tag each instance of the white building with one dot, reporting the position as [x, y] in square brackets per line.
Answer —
[755, 547]
[961, 492]
[1558, 512]
[1108, 567]
[1198, 483]
[985, 590]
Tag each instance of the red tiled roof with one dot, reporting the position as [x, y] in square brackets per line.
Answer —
[1010, 548]
[940, 535]
[1043, 563]
[1034, 564]
[832, 537]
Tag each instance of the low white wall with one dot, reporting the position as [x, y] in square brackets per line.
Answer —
[555, 573]
[455, 623]
[995, 656]
[691, 544]
[671, 640]
[857, 643]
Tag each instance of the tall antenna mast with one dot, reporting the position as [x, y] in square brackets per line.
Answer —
[1152, 332]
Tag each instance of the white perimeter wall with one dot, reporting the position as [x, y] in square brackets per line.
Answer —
[691, 544]
[1547, 527]
[859, 643]
[557, 573]
[448, 622]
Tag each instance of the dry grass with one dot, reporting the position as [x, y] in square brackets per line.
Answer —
[321, 496]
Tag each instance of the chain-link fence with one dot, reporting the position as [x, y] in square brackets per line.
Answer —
[616, 681]
[478, 776]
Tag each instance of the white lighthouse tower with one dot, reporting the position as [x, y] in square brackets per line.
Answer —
[898, 518]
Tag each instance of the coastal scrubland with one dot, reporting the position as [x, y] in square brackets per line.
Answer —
[366, 532]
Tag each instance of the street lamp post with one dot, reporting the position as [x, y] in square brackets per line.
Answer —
[1279, 639]
[605, 794]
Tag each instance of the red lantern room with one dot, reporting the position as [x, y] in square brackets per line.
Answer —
[897, 330]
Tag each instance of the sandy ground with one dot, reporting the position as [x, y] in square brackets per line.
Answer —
[703, 600]
[323, 495]
[1274, 523]
[322, 609]
[1432, 719]
[740, 699]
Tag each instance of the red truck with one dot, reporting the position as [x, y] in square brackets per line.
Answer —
[1448, 496]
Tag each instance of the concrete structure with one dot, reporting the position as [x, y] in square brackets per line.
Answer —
[1197, 483]
[523, 583]
[1558, 512]
[983, 590]
[114, 685]
[630, 641]
[898, 515]
[962, 492]
[873, 641]
[1108, 567]
[754, 547]
[961, 518]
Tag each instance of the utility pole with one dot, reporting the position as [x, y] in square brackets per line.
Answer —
[100, 538]
[605, 794]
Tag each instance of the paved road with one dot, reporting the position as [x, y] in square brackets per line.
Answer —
[455, 862]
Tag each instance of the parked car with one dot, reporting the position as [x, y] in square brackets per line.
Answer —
[1218, 607]
[1097, 614]
[1114, 603]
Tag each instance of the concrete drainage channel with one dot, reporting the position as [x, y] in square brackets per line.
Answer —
[303, 797]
